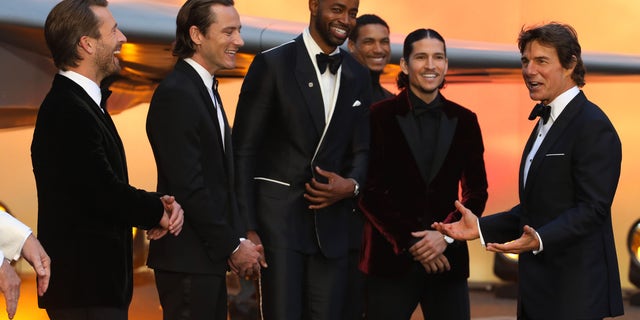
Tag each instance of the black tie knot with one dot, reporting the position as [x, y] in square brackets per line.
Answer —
[542, 111]
[333, 61]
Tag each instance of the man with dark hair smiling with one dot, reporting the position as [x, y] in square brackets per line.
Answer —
[569, 173]
[301, 143]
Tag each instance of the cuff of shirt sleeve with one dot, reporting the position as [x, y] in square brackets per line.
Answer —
[238, 247]
[484, 245]
[541, 246]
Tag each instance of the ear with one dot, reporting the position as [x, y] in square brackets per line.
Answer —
[196, 35]
[351, 45]
[313, 7]
[87, 44]
[404, 66]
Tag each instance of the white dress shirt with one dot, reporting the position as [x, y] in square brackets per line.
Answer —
[90, 87]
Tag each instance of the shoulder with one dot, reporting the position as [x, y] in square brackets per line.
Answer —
[454, 109]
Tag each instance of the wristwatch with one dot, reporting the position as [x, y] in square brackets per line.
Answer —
[356, 188]
[447, 239]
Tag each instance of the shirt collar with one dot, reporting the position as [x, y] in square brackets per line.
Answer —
[207, 78]
[313, 48]
[90, 87]
[560, 102]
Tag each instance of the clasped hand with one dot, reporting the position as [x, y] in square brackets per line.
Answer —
[429, 251]
[171, 221]
[247, 260]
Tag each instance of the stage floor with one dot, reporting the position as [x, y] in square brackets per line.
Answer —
[145, 305]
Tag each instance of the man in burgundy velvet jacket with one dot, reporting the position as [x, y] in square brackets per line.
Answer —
[423, 149]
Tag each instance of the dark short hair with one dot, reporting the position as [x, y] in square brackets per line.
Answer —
[364, 20]
[403, 80]
[67, 22]
[564, 39]
[194, 13]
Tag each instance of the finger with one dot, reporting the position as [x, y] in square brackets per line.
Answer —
[419, 234]
[11, 300]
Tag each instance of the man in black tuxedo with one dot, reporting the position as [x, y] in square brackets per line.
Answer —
[426, 152]
[568, 177]
[301, 143]
[191, 142]
[86, 208]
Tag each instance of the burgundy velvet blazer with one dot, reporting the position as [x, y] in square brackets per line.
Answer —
[396, 198]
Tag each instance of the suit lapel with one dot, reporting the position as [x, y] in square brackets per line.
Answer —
[554, 134]
[445, 136]
[309, 86]
[411, 134]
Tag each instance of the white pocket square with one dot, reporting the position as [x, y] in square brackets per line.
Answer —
[554, 155]
[356, 103]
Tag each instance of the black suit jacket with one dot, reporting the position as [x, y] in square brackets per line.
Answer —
[182, 127]
[85, 206]
[567, 199]
[280, 136]
[403, 195]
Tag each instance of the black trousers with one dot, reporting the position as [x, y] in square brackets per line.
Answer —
[302, 286]
[88, 314]
[440, 298]
[186, 296]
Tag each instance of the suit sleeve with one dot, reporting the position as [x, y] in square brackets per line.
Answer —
[173, 128]
[78, 145]
[473, 181]
[250, 124]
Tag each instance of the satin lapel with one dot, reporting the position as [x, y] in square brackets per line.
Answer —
[412, 135]
[204, 95]
[309, 85]
[554, 134]
[525, 153]
[445, 136]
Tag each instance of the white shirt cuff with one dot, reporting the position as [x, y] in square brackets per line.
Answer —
[1, 258]
[238, 247]
[484, 245]
[541, 246]
[13, 234]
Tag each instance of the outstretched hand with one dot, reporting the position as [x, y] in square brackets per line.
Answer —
[528, 241]
[464, 229]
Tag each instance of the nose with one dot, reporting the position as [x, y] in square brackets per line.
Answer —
[121, 37]
[238, 40]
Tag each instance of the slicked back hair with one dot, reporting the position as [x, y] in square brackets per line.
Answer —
[67, 22]
[196, 13]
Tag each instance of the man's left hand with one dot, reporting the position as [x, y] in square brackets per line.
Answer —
[322, 195]
[527, 242]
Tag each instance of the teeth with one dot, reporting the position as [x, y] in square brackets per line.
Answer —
[340, 31]
[430, 76]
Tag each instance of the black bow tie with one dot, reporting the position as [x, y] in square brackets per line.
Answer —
[332, 60]
[105, 92]
[542, 111]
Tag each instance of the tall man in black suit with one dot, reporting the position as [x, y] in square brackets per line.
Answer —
[86, 207]
[191, 142]
[425, 151]
[301, 138]
[568, 178]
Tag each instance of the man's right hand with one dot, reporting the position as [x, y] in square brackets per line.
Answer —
[10, 286]
[244, 261]
[464, 229]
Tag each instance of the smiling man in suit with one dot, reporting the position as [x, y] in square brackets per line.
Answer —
[301, 137]
[191, 141]
[425, 151]
[568, 177]
[86, 208]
